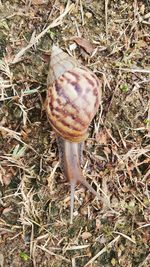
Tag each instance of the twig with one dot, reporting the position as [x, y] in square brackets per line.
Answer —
[77, 247]
[135, 70]
[102, 251]
[82, 13]
[125, 236]
[52, 253]
[33, 41]
[16, 136]
[106, 17]
[145, 262]
[143, 226]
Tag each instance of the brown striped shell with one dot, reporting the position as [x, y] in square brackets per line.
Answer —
[73, 96]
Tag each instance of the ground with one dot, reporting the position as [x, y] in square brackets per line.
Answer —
[35, 225]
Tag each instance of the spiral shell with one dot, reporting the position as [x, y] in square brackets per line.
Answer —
[73, 96]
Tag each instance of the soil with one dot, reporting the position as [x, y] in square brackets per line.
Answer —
[35, 227]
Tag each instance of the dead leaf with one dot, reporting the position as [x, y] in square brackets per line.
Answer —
[85, 44]
[102, 137]
[86, 235]
[7, 178]
[6, 210]
[46, 57]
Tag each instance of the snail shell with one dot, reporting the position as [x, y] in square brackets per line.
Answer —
[73, 96]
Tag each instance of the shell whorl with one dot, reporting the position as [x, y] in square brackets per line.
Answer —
[73, 96]
[60, 62]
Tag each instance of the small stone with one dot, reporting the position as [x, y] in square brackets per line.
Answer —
[102, 240]
[142, 9]
[88, 15]
[72, 47]
[113, 261]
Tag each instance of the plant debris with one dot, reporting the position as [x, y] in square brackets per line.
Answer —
[85, 44]
[34, 195]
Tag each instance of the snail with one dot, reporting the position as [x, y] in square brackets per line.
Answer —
[73, 98]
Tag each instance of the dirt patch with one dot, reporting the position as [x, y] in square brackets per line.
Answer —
[34, 195]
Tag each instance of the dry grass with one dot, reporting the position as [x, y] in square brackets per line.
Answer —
[34, 195]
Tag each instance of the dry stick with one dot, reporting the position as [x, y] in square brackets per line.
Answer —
[16, 136]
[142, 226]
[106, 17]
[52, 253]
[146, 261]
[77, 247]
[125, 236]
[33, 41]
[102, 251]
[135, 70]
[82, 13]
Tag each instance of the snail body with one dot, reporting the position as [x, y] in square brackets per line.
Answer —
[73, 98]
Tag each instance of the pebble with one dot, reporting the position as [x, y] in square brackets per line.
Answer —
[88, 15]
